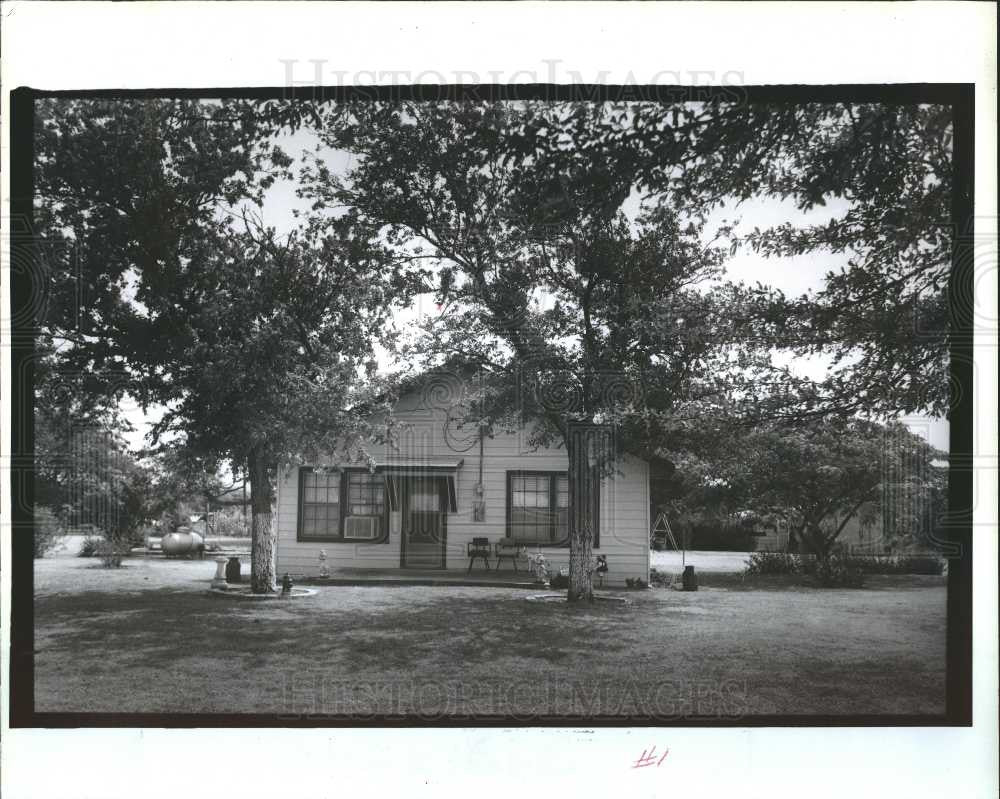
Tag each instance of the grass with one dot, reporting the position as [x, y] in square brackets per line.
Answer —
[147, 638]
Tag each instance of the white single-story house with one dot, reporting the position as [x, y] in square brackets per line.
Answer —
[424, 501]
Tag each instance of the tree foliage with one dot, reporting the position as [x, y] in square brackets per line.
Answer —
[256, 344]
[883, 315]
[580, 313]
[131, 197]
[816, 477]
[86, 476]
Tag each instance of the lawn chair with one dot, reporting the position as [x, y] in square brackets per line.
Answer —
[507, 550]
[479, 548]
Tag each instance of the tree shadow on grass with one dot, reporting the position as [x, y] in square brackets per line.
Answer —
[155, 627]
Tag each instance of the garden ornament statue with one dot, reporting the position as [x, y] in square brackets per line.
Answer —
[286, 585]
[324, 571]
[539, 566]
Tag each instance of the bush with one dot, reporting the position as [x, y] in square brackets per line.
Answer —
[89, 546]
[46, 531]
[110, 555]
[773, 563]
[838, 572]
[921, 564]
[635, 582]
[228, 523]
[108, 551]
[559, 581]
[659, 579]
[901, 564]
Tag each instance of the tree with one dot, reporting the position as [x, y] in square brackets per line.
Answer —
[277, 363]
[85, 475]
[130, 196]
[182, 482]
[883, 315]
[257, 345]
[574, 317]
[819, 476]
[47, 530]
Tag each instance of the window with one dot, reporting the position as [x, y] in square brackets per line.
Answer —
[365, 518]
[342, 506]
[538, 508]
[319, 514]
[424, 494]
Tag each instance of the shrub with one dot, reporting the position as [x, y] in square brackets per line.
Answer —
[838, 572]
[773, 563]
[47, 531]
[559, 581]
[658, 578]
[635, 582]
[107, 550]
[921, 564]
[228, 523]
[89, 546]
[902, 564]
[110, 555]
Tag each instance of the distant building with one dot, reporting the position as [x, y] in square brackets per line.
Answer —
[862, 533]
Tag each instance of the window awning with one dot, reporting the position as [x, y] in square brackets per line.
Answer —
[444, 470]
[418, 465]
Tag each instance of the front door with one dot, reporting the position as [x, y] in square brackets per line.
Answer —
[424, 523]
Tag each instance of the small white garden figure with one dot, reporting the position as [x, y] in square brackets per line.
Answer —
[539, 566]
[324, 571]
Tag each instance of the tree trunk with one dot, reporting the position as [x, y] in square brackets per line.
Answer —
[816, 542]
[795, 536]
[584, 486]
[263, 577]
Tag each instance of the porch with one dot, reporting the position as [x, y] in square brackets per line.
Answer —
[505, 578]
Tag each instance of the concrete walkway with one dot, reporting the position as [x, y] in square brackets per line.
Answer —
[721, 562]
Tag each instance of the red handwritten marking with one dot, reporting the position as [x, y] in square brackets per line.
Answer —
[649, 758]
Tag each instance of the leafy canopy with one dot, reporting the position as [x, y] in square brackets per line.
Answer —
[883, 315]
[566, 308]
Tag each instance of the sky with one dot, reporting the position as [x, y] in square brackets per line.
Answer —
[793, 275]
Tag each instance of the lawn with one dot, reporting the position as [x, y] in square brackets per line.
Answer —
[148, 638]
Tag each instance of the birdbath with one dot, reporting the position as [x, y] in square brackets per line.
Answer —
[219, 581]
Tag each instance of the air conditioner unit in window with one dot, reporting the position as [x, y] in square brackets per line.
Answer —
[362, 527]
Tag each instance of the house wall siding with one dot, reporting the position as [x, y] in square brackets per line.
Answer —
[624, 523]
